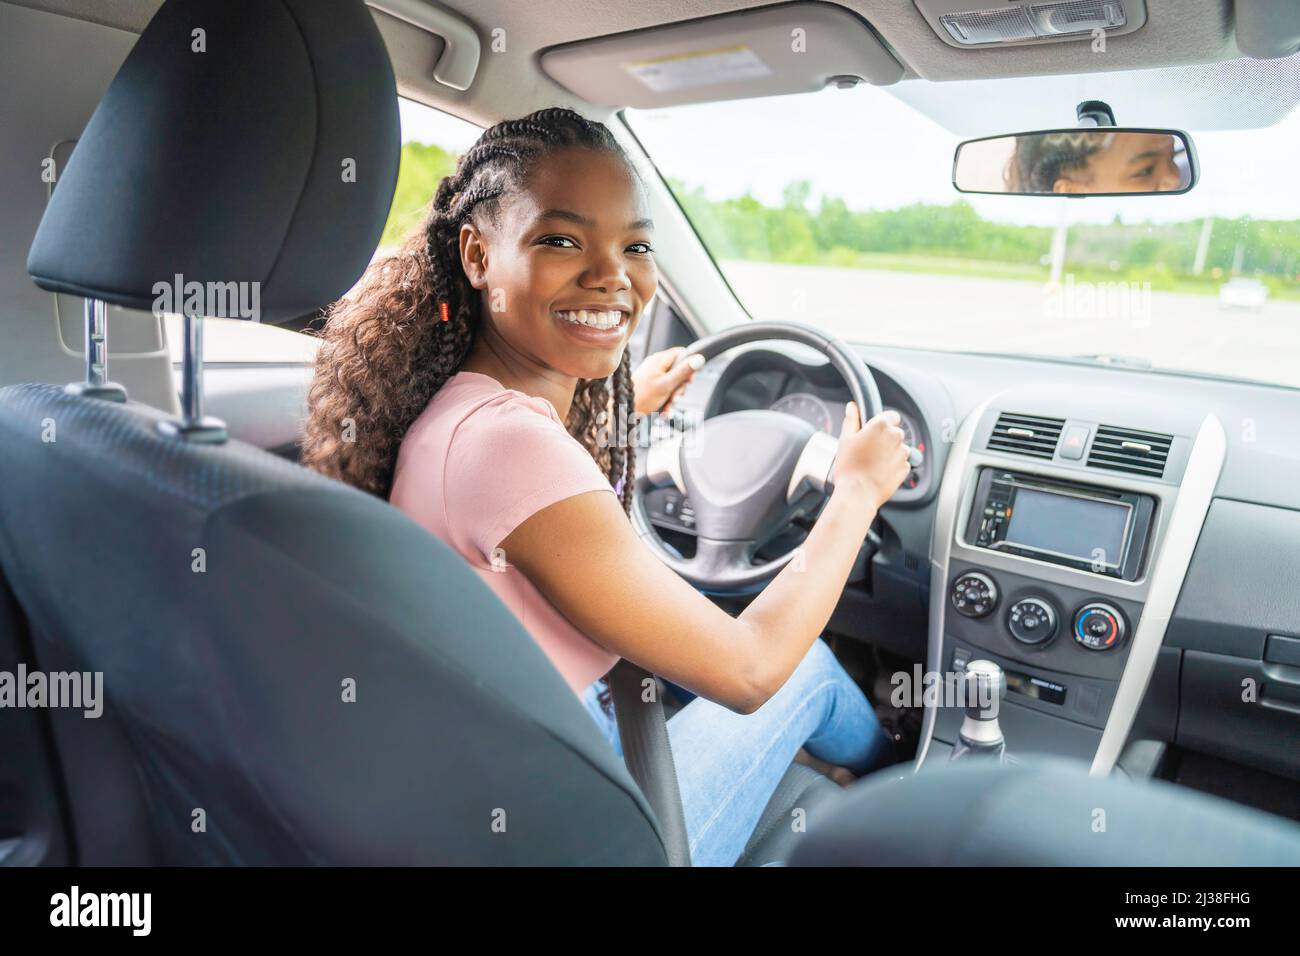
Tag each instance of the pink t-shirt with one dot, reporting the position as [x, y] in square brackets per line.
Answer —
[479, 460]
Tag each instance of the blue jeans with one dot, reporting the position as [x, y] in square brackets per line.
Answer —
[728, 764]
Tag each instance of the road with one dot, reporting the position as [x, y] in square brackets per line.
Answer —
[960, 313]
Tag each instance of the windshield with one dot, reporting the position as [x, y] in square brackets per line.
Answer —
[837, 209]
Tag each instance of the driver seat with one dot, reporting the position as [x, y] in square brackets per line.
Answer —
[294, 672]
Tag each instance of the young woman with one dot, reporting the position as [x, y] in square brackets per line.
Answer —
[481, 367]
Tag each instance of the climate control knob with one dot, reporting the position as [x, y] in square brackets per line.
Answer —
[974, 594]
[1099, 627]
[1032, 620]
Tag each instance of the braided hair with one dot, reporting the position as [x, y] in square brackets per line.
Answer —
[1040, 159]
[414, 318]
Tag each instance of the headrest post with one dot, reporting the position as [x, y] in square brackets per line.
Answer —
[193, 426]
[97, 384]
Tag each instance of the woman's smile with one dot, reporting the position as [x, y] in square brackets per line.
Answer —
[594, 323]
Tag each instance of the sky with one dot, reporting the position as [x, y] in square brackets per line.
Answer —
[424, 124]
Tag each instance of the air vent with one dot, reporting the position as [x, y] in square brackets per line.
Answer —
[1026, 434]
[1131, 451]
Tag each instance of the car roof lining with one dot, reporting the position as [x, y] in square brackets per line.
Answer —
[1233, 94]
[510, 81]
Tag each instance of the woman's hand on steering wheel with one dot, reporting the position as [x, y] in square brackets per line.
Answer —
[660, 379]
[873, 456]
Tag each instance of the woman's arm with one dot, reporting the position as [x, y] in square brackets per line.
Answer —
[583, 555]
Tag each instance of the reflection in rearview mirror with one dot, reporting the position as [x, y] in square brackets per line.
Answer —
[1104, 161]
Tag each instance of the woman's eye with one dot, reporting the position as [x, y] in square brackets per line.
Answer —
[557, 241]
[641, 247]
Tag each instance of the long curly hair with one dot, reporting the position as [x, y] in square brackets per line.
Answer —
[406, 330]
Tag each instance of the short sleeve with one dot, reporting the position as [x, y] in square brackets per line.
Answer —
[507, 461]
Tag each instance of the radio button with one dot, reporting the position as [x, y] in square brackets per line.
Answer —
[974, 594]
[1032, 621]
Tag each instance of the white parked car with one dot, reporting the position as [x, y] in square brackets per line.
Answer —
[1243, 293]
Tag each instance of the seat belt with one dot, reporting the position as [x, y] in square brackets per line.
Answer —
[643, 731]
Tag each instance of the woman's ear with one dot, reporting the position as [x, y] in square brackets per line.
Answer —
[473, 255]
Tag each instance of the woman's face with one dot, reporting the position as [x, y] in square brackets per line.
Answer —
[1133, 163]
[567, 269]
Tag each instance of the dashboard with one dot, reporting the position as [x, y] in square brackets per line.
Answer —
[1123, 543]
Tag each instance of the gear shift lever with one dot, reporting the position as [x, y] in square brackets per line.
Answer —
[980, 734]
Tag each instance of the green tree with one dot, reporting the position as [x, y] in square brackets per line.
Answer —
[423, 166]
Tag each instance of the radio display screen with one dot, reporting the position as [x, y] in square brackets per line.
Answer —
[1073, 527]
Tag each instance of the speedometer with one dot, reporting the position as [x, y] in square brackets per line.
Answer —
[807, 406]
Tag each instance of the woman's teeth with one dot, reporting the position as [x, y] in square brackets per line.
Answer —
[596, 320]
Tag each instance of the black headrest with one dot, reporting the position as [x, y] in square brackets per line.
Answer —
[246, 141]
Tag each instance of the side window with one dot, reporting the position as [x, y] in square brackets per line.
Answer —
[237, 341]
[431, 141]
[638, 344]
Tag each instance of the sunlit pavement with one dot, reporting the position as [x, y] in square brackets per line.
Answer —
[960, 313]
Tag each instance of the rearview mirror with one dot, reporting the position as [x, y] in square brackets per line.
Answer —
[1105, 161]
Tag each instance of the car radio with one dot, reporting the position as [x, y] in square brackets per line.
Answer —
[1086, 527]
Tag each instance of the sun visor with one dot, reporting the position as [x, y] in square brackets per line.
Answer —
[1268, 28]
[792, 48]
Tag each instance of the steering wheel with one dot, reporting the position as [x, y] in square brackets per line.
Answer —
[748, 474]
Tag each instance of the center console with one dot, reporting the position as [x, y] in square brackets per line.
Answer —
[1076, 525]
[1061, 541]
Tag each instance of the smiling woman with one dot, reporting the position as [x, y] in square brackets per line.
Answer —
[382, 360]
[539, 245]
[446, 383]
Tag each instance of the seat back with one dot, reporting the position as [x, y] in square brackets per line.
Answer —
[1046, 812]
[297, 672]
[294, 672]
